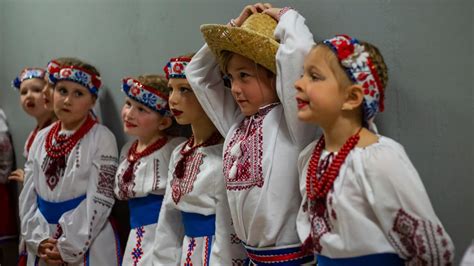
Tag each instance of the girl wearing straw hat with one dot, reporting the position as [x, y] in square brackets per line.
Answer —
[258, 117]
[194, 226]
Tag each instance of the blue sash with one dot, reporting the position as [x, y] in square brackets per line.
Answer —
[286, 256]
[52, 211]
[385, 259]
[145, 210]
[198, 225]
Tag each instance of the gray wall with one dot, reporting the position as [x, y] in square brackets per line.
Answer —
[428, 47]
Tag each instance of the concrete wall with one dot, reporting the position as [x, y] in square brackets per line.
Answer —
[428, 46]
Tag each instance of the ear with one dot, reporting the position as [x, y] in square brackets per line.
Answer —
[165, 123]
[354, 97]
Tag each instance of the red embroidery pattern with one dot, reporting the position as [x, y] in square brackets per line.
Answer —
[238, 262]
[182, 186]
[137, 251]
[191, 246]
[234, 239]
[206, 251]
[420, 241]
[156, 176]
[106, 177]
[244, 170]
[126, 186]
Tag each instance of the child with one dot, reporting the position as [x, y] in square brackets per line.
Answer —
[68, 192]
[30, 83]
[194, 227]
[363, 201]
[257, 116]
[143, 171]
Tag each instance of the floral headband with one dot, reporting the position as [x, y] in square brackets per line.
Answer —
[146, 95]
[75, 74]
[176, 66]
[28, 73]
[358, 65]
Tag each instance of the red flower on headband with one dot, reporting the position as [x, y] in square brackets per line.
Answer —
[362, 76]
[66, 73]
[96, 81]
[135, 91]
[344, 50]
[178, 68]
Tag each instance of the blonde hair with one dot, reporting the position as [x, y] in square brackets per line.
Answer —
[157, 82]
[226, 56]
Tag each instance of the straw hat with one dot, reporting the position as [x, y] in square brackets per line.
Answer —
[254, 39]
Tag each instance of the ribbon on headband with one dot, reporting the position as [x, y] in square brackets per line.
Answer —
[75, 74]
[360, 69]
[176, 67]
[28, 73]
[146, 95]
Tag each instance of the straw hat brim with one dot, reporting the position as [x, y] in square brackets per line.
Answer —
[253, 45]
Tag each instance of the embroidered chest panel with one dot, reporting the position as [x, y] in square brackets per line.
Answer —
[243, 155]
[183, 186]
[126, 186]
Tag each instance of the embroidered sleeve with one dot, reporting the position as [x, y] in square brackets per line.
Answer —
[295, 42]
[169, 230]
[81, 225]
[204, 75]
[6, 157]
[34, 227]
[227, 248]
[401, 205]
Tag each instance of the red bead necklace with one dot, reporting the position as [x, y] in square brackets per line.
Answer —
[64, 144]
[317, 189]
[181, 165]
[133, 156]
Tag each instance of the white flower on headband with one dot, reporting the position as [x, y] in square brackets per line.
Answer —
[357, 59]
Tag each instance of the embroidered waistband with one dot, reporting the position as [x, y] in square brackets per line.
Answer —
[145, 210]
[287, 255]
[386, 259]
[52, 211]
[198, 225]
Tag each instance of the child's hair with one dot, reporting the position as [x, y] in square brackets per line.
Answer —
[158, 82]
[225, 59]
[86, 66]
[68, 61]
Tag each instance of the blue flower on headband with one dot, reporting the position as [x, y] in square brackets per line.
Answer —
[82, 77]
[149, 99]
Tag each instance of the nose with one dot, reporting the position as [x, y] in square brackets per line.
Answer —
[173, 98]
[235, 87]
[299, 84]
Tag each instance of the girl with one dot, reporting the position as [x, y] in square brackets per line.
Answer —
[30, 83]
[68, 192]
[257, 116]
[194, 227]
[363, 201]
[142, 174]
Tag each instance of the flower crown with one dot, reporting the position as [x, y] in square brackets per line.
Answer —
[75, 74]
[28, 73]
[175, 68]
[146, 95]
[360, 69]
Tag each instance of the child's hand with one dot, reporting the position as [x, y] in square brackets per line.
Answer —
[17, 175]
[54, 257]
[273, 12]
[44, 246]
[249, 10]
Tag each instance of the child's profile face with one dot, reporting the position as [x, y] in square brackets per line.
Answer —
[319, 97]
[31, 97]
[48, 94]
[72, 103]
[252, 86]
[183, 103]
[139, 120]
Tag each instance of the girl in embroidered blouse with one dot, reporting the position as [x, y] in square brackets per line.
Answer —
[142, 174]
[363, 201]
[194, 226]
[258, 117]
[68, 192]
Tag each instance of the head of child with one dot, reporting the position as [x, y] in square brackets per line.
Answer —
[246, 56]
[30, 83]
[343, 83]
[75, 91]
[146, 114]
[184, 104]
[48, 86]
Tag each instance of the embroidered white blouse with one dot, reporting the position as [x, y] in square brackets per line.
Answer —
[84, 233]
[201, 191]
[378, 204]
[260, 151]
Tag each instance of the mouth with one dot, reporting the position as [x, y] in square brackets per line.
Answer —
[45, 99]
[176, 112]
[65, 110]
[129, 125]
[301, 103]
[30, 105]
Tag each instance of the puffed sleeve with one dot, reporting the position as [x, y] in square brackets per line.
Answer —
[81, 225]
[295, 42]
[205, 78]
[400, 202]
[169, 230]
